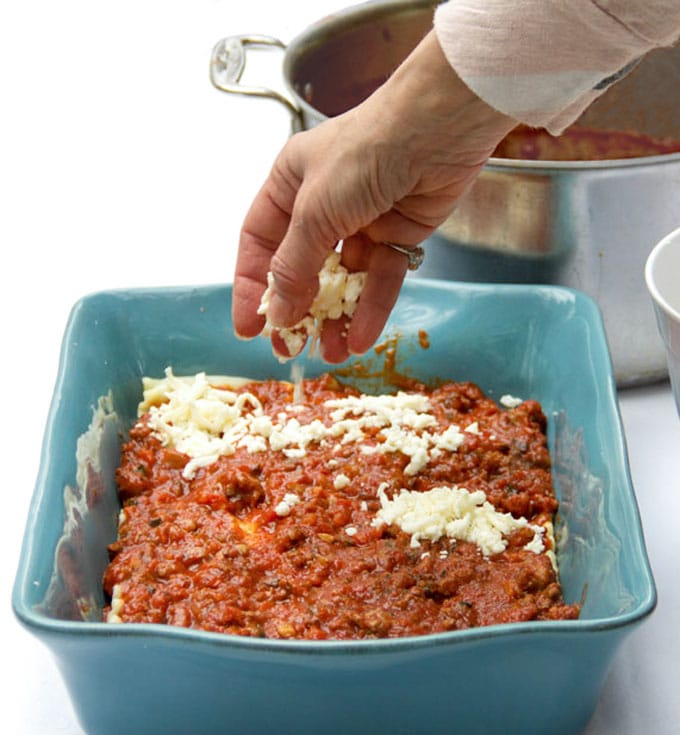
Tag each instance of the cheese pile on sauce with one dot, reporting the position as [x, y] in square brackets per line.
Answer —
[455, 513]
[338, 294]
[206, 422]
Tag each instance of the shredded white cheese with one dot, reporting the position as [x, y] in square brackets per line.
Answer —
[286, 505]
[452, 512]
[206, 423]
[340, 481]
[403, 420]
[510, 401]
[338, 294]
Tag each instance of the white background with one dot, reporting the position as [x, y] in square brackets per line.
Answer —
[120, 165]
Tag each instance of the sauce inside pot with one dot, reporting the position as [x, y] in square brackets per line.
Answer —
[581, 143]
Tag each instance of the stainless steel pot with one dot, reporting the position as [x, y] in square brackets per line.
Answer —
[588, 225]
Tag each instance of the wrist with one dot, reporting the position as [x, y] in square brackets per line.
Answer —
[427, 105]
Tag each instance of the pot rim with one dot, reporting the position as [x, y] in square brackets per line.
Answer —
[524, 163]
[527, 163]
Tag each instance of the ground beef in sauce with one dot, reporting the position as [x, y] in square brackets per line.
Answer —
[212, 553]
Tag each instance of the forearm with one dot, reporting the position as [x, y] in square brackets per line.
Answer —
[544, 61]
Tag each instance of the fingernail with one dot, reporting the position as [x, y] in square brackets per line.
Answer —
[356, 353]
[281, 313]
[242, 337]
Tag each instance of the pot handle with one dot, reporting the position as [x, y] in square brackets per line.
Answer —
[228, 61]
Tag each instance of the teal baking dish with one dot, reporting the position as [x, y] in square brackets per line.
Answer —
[542, 342]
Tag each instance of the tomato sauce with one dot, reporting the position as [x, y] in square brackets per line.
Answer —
[212, 553]
[581, 143]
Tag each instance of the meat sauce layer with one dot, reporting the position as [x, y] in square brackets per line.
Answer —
[212, 553]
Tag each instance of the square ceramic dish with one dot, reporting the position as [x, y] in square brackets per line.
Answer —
[541, 342]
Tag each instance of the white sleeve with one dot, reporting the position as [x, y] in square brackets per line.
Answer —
[544, 62]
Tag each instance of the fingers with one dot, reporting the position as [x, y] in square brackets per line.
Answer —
[295, 269]
[386, 269]
[290, 345]
[333, 340]
[263, 229]
[342, 337]
[288, 232]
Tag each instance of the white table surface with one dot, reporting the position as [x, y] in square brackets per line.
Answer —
[121, 166]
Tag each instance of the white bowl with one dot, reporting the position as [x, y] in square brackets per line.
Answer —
[662, 274]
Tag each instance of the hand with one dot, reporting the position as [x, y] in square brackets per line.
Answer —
[389, 170]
